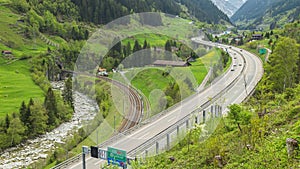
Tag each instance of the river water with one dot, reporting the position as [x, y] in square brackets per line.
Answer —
[25, 154]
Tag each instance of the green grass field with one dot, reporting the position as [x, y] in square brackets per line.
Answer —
[198, 70]
[150, 80]
[172, 27]
[16, 86]
[153, 39]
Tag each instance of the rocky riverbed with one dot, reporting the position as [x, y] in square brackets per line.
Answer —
[25, 154]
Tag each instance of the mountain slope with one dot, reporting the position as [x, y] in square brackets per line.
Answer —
[204, 10]
[229, 7]
[104, 11]
[266, 13]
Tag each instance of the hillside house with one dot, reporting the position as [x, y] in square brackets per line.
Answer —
[6, 52]
[257, 37]
[102, 72]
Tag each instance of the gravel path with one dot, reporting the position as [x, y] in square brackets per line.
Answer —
[25, 154]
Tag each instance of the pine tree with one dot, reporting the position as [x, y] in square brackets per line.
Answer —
[51, 107]
[86, 34]
[128, 48]
[26, 122]
[124, 51]
[23, 114]
[7, 122]
[168, 50]
[145, 44]
[136, 46]
[267, 35]
[168, 46]
[67, 92]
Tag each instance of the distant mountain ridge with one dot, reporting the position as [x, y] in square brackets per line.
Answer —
[266, 13]
[104, 11]
[229, 7]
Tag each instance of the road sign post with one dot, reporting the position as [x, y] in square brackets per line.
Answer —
[85, 150]
[116, 157]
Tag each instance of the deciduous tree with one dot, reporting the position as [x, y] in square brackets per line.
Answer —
[283, 64]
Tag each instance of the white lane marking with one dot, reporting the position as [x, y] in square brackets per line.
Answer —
[143, 136]
[171, 119]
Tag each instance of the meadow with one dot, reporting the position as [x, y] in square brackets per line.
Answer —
[16, 86]
[151, 82]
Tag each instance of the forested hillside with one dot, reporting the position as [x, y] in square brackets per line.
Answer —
[39, 35]
[104, 11]
[270, 12]
[253, 9]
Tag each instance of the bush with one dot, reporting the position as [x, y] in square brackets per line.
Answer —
[20, 5]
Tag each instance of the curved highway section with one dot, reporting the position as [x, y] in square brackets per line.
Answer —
[234, 86]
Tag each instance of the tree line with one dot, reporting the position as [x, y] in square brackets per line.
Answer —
[142, 54]
[104, 11]
[36, 117]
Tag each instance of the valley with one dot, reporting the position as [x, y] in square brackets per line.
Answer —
[176, 84]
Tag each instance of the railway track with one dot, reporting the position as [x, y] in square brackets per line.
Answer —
[135, 113]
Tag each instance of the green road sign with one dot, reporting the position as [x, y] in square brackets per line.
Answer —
[262, 51]
[116, 157]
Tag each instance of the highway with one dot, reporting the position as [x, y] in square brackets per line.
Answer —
[247, 73]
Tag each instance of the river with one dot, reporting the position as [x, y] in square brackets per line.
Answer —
[27, 153]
